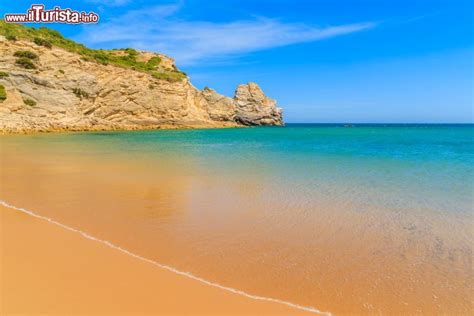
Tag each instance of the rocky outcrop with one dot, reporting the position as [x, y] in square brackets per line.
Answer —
[68, 92]
[219, 107]
[254, 107]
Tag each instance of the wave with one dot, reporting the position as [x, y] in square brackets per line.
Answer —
[166, 267]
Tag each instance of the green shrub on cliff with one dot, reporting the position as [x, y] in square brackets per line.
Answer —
[25, 63]
[29, 102]
[42, 42]
[3, 93]
[3, 74]
[101, 57]
[131, 51]
[80, 93]
[10, 37]
[153, 62]
[25, 59]
[26, 54]
[170, 76]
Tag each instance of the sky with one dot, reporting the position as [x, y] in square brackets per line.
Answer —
[324, 61]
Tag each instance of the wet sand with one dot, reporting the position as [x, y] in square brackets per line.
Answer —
[46, 269]
[236, 225]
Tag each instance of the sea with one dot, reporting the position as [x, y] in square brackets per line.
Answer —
[344, 218]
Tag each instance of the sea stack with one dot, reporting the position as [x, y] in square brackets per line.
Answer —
[255, 108]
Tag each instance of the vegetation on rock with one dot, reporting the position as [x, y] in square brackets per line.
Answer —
[169, 76]
[3, 74]
[42, 42]
[3, 93]
[25, 63]
[153, 62]
[80, 93]
[26, 54]
[29, 102]
[47, 37]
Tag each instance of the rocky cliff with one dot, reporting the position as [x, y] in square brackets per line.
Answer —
[51, 85]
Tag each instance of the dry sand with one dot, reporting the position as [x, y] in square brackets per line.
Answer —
[46, 269]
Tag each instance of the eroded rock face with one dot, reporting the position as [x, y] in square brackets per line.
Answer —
[219, 107]
[74, 94]
[255, 108]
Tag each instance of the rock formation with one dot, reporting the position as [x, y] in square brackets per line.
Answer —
[254, 107]
[65, 91]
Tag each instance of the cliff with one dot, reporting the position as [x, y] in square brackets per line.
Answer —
[53, 84]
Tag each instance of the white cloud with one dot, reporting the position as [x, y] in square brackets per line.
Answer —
[192, 41]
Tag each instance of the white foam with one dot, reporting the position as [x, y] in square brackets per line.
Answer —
[162, 266]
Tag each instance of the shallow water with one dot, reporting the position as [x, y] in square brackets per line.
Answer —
[369, 219]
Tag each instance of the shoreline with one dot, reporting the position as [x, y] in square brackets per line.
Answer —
[173, 128]
[125, 129]
[56, 270]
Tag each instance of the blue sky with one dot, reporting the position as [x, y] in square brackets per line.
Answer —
[322, 60]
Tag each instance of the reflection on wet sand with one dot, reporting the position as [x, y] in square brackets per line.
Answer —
[256, 232]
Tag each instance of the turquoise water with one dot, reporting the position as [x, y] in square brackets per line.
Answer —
[376, 216]
[427, 164]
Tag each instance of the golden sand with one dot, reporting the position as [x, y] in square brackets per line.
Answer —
[46, 269]
[337, 261]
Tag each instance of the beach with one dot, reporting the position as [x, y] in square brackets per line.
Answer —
[237, 158]
[46, 269]
[362, 220]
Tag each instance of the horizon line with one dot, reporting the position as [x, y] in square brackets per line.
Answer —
[386, 123]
